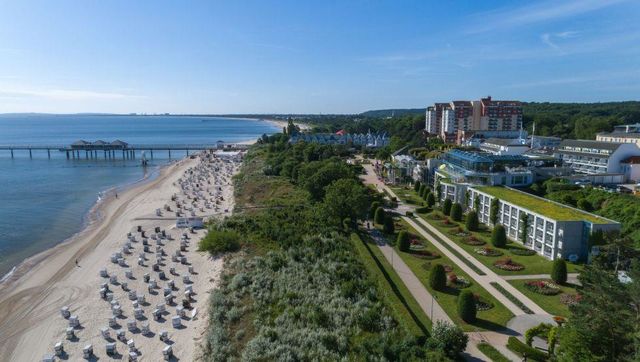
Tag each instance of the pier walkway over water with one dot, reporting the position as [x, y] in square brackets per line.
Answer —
[117, 149]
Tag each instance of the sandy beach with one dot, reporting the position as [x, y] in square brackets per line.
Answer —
[31, 322]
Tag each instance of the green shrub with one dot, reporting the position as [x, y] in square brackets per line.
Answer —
[372, 210]
[585, 205]
[559, 271]
[456, 212]
[437, 277]
[403, 241]
[449, 339]
[422, 210]
[379, 216]
[417, 186]
[493, 210]
[467, 306]
[446, 206]
[472, 223]
[431, 200]
[491, 352]
[388, 227]
[220, 241]
[408, 214]
[515, 345]
[499, 236]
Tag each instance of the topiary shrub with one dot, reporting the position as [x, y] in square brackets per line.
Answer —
[559, 271]
[499, 236]
[493, 211]
[403, 241]
[467, 306]
[372, 210]
[416, 186]
[446, 207]
[472, 223]
[438, 277]
[456, 212]
[431, 200]
[379, 216]
[388, 227]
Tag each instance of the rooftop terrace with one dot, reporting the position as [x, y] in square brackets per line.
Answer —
[541, 206]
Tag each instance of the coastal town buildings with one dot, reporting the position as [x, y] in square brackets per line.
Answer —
[596, 157]
[371, 140]
[552, 229]
[504, 146]
[629, 133]
[451, 120]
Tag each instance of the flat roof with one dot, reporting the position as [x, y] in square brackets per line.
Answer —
[541, 206]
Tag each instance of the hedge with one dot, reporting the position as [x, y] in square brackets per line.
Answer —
[517, 346]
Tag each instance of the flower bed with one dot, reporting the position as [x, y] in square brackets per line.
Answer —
[570, 299]
[482, 304]
[523, 252]
[417, 245]
[458, 232]
[472, 240]
[508, 265]
[424, 254]
[487, 251]
[543, 287]
[457, 282]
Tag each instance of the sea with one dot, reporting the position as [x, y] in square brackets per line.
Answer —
[44, 201]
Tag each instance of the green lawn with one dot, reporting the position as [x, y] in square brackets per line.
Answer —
[491, 352]
[492, 319]
[405, 308]
[534, 264]
[550, 303]
[407, 195]
[540, 205]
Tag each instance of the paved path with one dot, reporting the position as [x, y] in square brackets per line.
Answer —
[425, 299]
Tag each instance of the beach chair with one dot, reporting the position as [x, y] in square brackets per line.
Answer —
[103, 273]
[140, 261]
[133, 295]
[183, 260]
[74, 321]
[161, 275]
[141, 298]
[167, 291]
[131, 345]
[133, 357]
[131, 325]
[167, 353]
[87, 351]
[70, 332]
[164, 336]
[189, 288]
[186, 279]
[109, 296]
[65, 312]
[191, 270]
[180, 311]
[105, 333]
[120, 335]
[129, 274]
[171, 284]
[110, 349]
[116, 310]
[161, 307]
[169, 299]
[113, 279]
[48, 358]
[145, 330]
[156, 314]
[58, 349]
[124, 286]
[146, 277]
[176, 321]
[112, 322]
[138, 313]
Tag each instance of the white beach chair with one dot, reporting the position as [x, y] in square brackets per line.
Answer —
[58, 349]
[112, 322]
[145, 330]
[164, 336]
[71, 333]
[180, 311]
[176, 321]
[105, 333]
[131, 325]
[167, 353]
[138, 313]
[48, 358]
[103, 273]
[65, 312]
[110, 349]
[87, 351]
[74, 321]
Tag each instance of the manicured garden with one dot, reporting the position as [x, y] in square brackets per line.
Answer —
[512, 259]
[491, 352]
[551, 297]
[422, 256]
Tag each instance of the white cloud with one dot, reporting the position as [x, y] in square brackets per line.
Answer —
[534, 13]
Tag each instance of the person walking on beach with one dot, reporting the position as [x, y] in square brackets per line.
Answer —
[116, 195]
[77, 263]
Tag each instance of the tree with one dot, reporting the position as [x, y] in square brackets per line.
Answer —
[431, 200]
[499, 236]
[524, 227]
[456, 212]
[602, 324]
[585, 205]
[423, 191]
[476, 204]
[346, 198]
[449, 339]
[446, 206]
[439, 191]
[437, 277]
[372, 210]
[379, 216]
[417, 186]
[467, 196]
[467, 306]
[219, 241]
[388, 227]
[472, 223]
[559, 271]
[403, 241]
[493, 211]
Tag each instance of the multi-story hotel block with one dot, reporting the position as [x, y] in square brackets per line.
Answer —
[553, 230]
[451, 120]
[596, 157]
[628, 133]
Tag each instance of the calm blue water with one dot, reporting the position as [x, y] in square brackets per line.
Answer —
[44, 201]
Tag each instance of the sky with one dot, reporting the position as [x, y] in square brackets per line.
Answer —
[311, 56]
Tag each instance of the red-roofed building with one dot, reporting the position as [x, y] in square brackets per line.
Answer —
[341, 132]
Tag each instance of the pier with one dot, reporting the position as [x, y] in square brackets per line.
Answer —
[117, 149]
